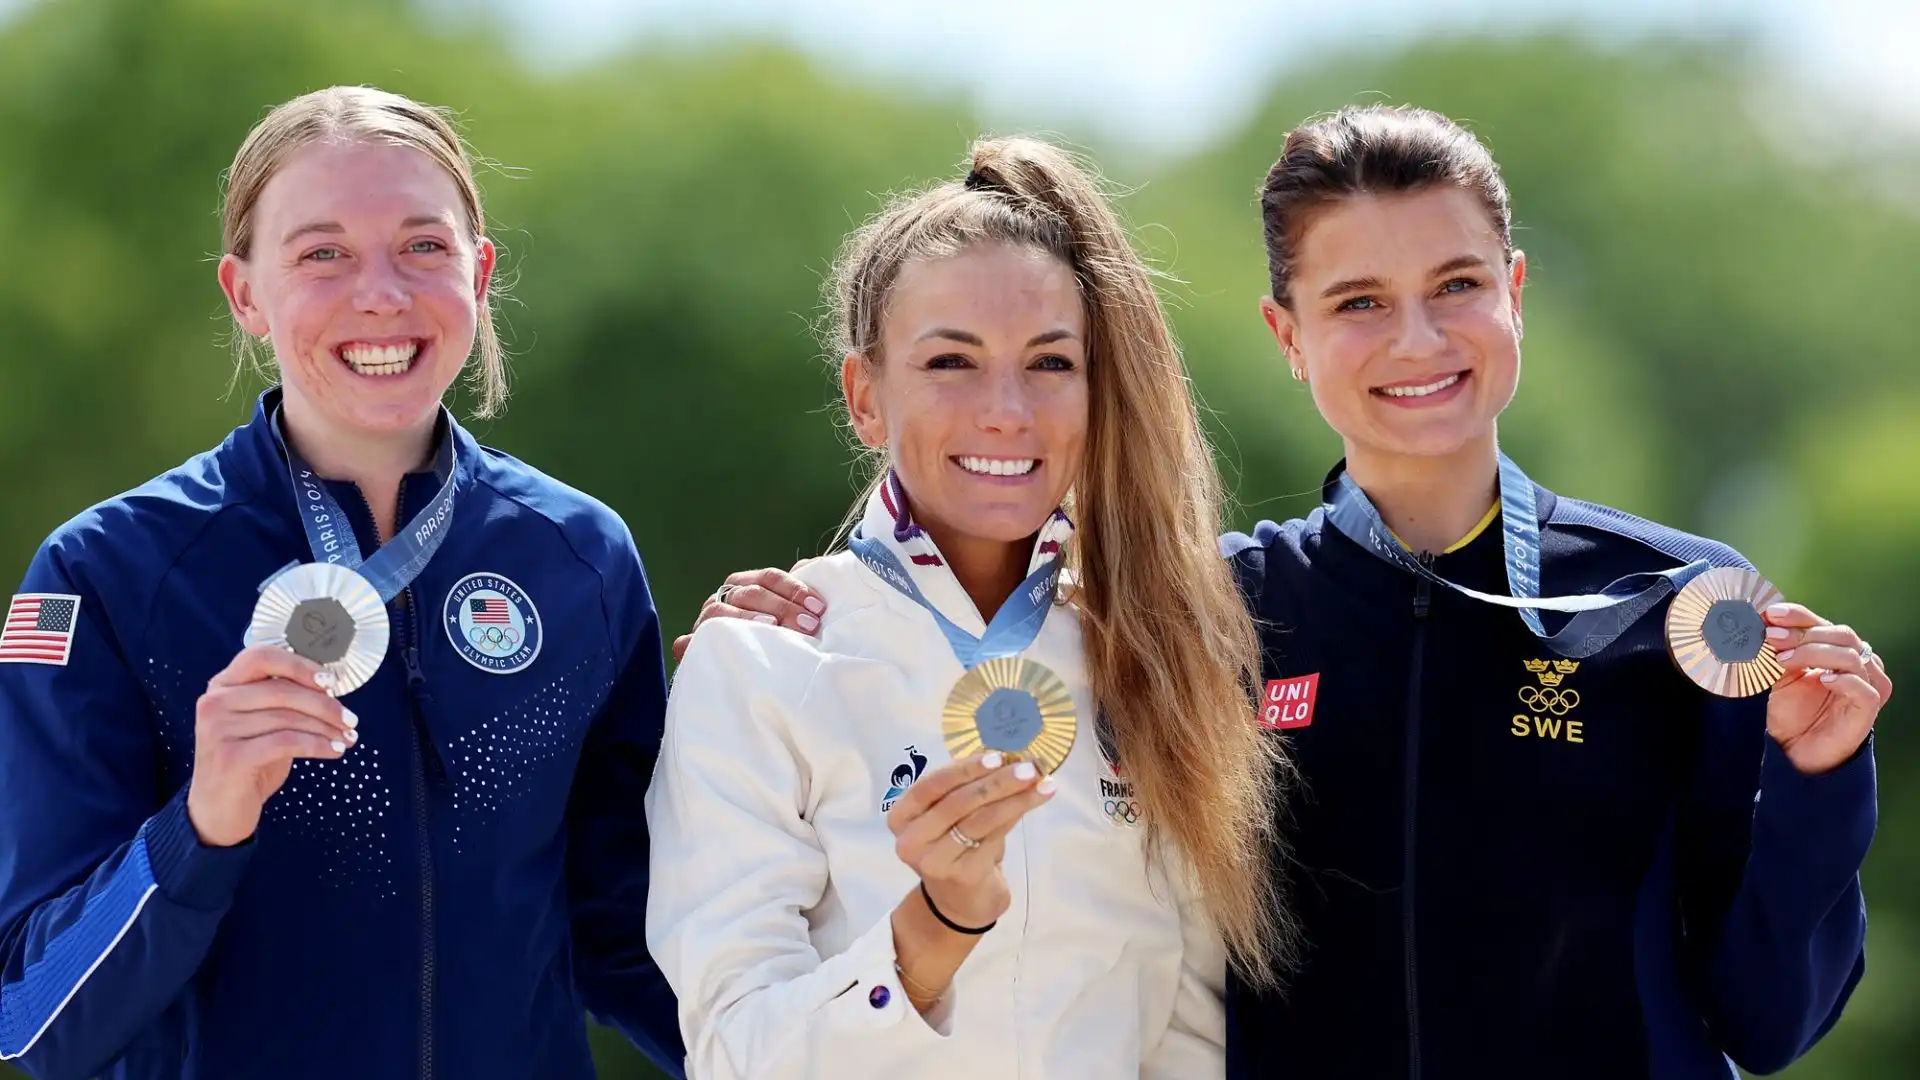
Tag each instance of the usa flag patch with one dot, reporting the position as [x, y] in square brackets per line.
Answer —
[39, 629]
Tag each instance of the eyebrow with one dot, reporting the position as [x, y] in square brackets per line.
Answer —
[1458, 262]
[313, 227]
[334, 228]
[966, 338]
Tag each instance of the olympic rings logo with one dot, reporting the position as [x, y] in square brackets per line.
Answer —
[1557, 702]
[1123, 811]
[494, 640]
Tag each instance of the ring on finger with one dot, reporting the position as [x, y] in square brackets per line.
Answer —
[1866, 651]
[724, 591]
[962, 839]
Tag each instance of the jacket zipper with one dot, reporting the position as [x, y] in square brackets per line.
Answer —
[425, 760]
[423, 757]
[1422, 600]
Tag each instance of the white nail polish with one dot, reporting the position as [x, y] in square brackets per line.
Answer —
[808, 623]
[338, 746]
[991, 759]
[1024, 771]
[1785, 656]
[1046, 787]
[323, 679]
[1777, 611]
[816, 605]
[765, 619]
[348, 718]
[1777, 631]
[352, 736]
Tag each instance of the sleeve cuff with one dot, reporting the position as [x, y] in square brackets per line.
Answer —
[876, 1001]
[188, 872]
[1822, 825]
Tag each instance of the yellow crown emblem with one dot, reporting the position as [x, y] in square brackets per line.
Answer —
[1549, 677]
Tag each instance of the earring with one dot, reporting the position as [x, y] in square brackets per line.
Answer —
[1297, 376]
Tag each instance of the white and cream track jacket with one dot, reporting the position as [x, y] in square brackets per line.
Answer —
[774, 873]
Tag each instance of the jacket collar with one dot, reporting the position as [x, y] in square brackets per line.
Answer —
[889, 519]
[254, 454]
[1479, 564]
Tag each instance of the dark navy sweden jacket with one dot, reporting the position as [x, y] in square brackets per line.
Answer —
[1509, 864]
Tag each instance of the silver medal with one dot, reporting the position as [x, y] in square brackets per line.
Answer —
[328, 614]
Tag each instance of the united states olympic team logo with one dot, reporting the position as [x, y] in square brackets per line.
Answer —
[492, 623]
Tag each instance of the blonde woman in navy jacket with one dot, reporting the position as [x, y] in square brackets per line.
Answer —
[832, 896]
[226, 863]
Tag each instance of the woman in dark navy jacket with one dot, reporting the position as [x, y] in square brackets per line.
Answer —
[242, 866]
[1525, 843]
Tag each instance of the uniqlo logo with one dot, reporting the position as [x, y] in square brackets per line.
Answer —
[1288, 703]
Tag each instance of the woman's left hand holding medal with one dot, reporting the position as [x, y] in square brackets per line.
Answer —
[1832, 690]
[951, 827]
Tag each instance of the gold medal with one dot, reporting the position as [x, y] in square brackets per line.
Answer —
[1717, 637]
[328, 614]
[1015, 706]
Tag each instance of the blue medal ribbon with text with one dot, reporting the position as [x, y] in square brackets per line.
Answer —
[1598, 618]
[330, 536]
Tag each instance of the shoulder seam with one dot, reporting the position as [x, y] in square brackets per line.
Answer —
[606, 615]
[1665, 540]
[156, 581]
[174, 563]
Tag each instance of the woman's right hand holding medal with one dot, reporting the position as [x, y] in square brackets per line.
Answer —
[268, 707]
[951, 827]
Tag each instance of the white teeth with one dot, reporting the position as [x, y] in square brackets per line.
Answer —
[1420, 391]
[380, 359]
[998, 466]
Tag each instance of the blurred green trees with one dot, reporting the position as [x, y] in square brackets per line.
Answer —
[1718, 325]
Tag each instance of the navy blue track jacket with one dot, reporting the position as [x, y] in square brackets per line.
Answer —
[1509, 864]
[447, 900]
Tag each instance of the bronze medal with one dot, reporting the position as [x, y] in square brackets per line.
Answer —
[1716, 636]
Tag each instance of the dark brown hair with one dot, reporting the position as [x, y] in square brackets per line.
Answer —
[1171, 653]
[1370, 150]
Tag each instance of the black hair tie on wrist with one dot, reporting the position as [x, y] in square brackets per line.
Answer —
[949, 923]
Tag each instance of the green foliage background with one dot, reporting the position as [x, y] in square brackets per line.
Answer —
[1719, 330]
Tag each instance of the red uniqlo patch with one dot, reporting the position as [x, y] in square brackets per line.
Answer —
[1288, 703]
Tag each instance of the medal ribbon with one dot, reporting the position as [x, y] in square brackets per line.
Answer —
[1598, 618]
[330, 535]
[1014, 626]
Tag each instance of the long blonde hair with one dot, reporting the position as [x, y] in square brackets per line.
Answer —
[1171, 651]
[348, 114]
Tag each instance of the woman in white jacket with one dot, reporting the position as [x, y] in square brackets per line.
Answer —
[828, 898]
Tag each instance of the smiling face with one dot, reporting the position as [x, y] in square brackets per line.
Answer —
[980, 395]
[1405, 321]
[365, 276]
